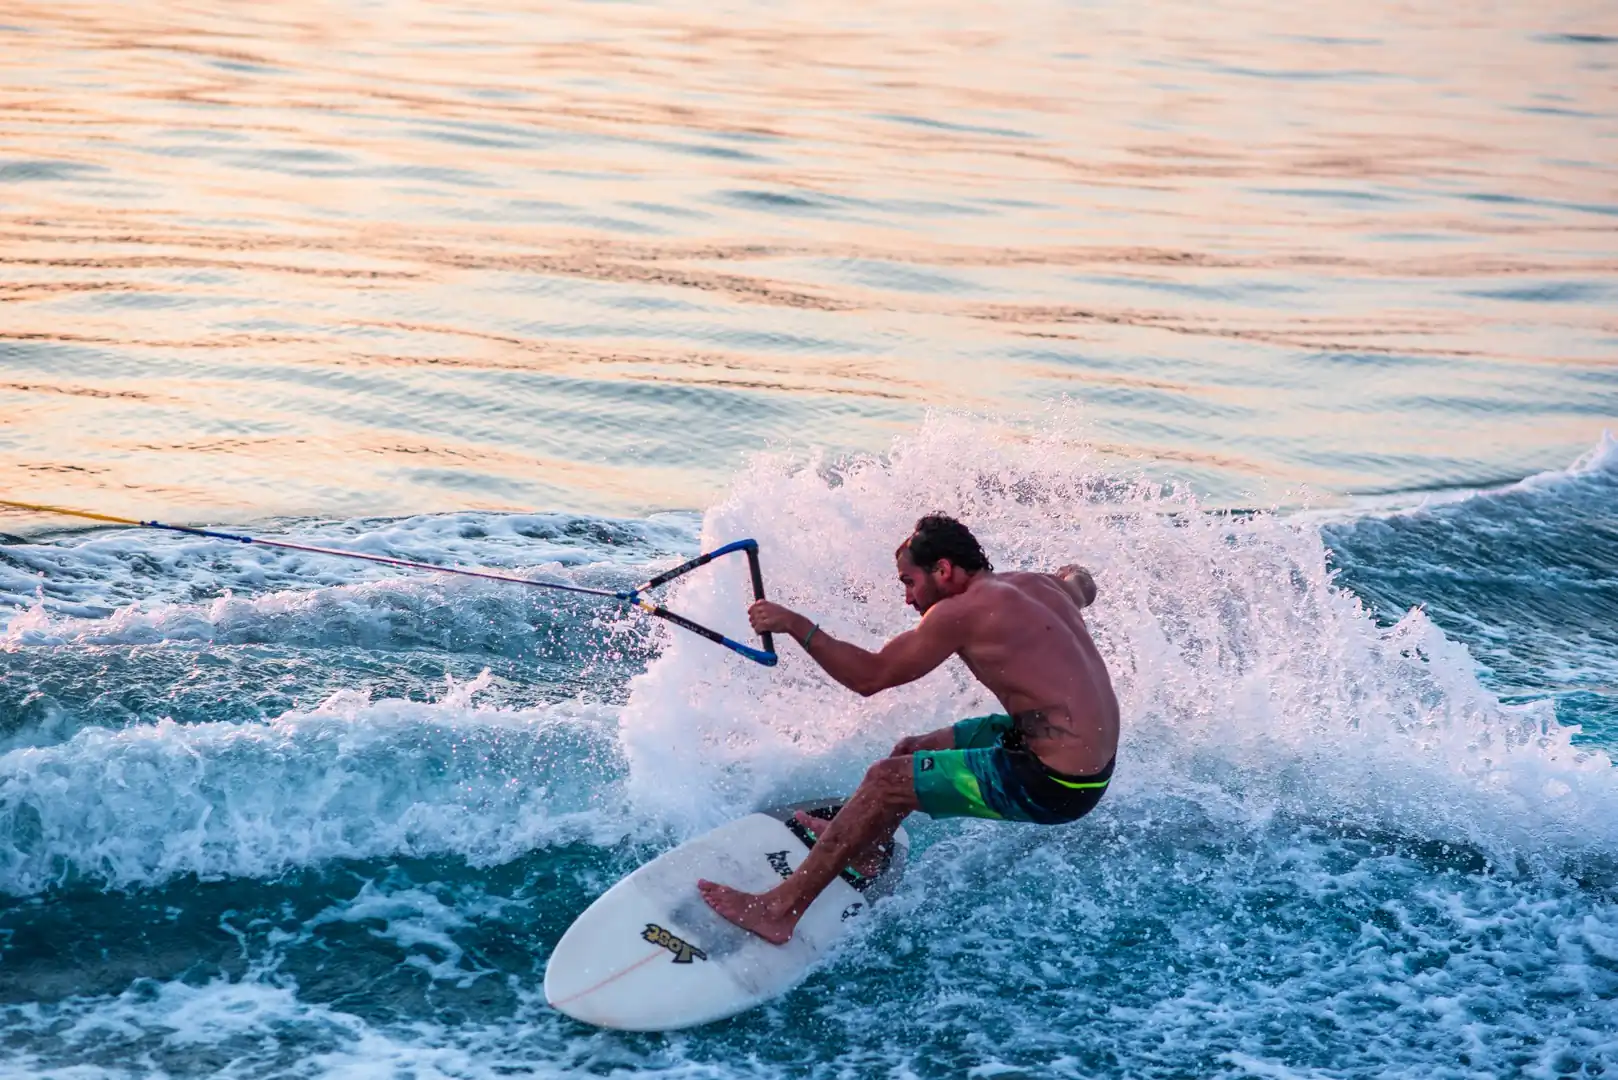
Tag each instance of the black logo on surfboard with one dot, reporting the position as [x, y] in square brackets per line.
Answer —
[778, 863]
[683, 950]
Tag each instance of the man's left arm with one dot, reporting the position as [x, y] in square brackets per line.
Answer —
[1077, 580]
[904, 659]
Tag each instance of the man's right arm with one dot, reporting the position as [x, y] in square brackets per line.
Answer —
[906, 658]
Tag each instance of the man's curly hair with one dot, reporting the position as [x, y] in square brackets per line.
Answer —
[939, 536]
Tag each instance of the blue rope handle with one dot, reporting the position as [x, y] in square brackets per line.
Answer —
[766, 656]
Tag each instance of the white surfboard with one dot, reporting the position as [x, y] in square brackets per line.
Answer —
[651, 955]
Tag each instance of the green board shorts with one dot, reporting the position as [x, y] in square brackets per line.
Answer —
[991, 774]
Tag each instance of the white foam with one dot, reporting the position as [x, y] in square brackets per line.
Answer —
[1245, 674]
[251, 1015]
[420, 923]
[350, 780]
[261, 1026]
[1264, 863]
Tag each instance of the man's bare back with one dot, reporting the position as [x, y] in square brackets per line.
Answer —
[1027, 642]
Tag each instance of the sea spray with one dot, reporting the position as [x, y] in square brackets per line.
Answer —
[353, 779]
[1245, 673]
[1333, 849]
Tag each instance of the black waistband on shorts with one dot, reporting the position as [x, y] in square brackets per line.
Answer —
[1063, 794]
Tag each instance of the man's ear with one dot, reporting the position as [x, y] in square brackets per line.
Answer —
[943, 568]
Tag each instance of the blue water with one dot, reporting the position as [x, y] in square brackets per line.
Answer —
[281, 814]
[1294, 323]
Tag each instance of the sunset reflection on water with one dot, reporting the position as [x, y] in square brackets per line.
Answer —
[387, 257]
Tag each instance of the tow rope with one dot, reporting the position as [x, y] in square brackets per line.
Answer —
[766, 656]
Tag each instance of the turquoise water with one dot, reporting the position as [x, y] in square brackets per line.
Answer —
[1294, 324]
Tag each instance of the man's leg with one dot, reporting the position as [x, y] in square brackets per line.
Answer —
[869, 861]
[883, 799]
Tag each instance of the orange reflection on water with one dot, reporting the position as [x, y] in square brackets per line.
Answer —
[309, 257]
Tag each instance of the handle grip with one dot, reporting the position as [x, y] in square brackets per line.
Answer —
[758, 587]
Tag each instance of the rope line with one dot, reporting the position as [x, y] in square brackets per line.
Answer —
[766, 656]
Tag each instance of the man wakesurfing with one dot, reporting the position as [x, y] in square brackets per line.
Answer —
[1047, 759]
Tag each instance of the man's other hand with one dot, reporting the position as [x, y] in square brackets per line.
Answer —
[1081, 578]
[907, 745]
[942, 739]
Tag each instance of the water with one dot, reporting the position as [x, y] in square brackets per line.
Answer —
[1293, 323]
[410, 256]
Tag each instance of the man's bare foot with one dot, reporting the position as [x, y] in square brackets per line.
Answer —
[868, 863]
[749, 911]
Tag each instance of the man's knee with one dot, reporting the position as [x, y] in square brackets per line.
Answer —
[891, 780]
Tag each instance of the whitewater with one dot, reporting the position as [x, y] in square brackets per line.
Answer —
[265, 813]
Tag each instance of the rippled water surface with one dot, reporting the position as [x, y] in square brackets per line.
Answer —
[311, 257]
[1294, 322]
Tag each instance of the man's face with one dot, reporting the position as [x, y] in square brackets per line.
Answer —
[922, 588]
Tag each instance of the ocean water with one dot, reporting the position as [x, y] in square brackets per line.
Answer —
[1293, 322]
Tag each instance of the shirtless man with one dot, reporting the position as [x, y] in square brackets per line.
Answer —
[1047, 759]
